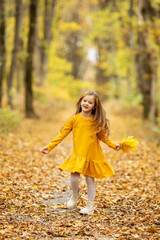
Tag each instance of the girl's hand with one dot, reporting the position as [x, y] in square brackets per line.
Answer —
[117, 147]
[45, 150]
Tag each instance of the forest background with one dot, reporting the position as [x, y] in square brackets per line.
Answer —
[56, 49]
[50, 52]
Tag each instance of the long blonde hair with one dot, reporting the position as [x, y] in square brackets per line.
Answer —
[99, 114]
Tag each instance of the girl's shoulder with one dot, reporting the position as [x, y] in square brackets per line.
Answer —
[73, 117]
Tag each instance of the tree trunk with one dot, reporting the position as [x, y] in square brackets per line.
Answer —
[73, 53]
[15, 49]
[47, 36]
[28, 78]
[147, 62]
[131, 44]
[19, 61]
[73, 49]
[19, 66]
[2, 47]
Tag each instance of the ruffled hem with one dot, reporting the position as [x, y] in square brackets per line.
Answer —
[87, 167]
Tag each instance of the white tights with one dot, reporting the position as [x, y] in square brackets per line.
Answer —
[90, 185]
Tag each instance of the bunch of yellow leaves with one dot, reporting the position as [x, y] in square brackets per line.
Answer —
[129, 144]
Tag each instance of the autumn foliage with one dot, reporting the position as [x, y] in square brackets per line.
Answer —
[34, 191]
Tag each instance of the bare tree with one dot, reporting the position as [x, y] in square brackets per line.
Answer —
[14, 52]
[73, 39]
[147, 61]
[28, 78]
[2, 47]
[47, 36]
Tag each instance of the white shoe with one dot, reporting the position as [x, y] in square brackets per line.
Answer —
[89, 209]
[72, 202]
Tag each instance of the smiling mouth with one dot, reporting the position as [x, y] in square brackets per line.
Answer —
[85, 107]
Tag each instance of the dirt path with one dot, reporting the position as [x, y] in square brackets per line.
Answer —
[34, 191]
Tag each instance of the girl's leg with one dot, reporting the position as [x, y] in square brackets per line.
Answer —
[90, 188]
[74, 179]
[89, 209]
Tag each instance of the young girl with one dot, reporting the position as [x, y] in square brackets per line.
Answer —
[89, 125]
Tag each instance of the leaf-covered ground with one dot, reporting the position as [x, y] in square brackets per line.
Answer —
[34, 191]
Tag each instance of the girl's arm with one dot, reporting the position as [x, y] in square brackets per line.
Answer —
[66, 129]
[103, 137]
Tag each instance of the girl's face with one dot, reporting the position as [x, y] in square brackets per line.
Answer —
[88, 103]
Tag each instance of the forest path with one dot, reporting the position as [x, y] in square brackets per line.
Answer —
[34, 191]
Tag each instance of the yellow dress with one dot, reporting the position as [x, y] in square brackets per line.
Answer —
[87, 157]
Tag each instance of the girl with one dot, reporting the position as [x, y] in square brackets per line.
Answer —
[89, 125]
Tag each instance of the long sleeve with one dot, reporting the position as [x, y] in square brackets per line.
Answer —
[103, 137]
[66, 129]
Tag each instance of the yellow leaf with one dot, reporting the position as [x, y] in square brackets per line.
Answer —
[152, 229]
[28, 206]
[123, 228]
